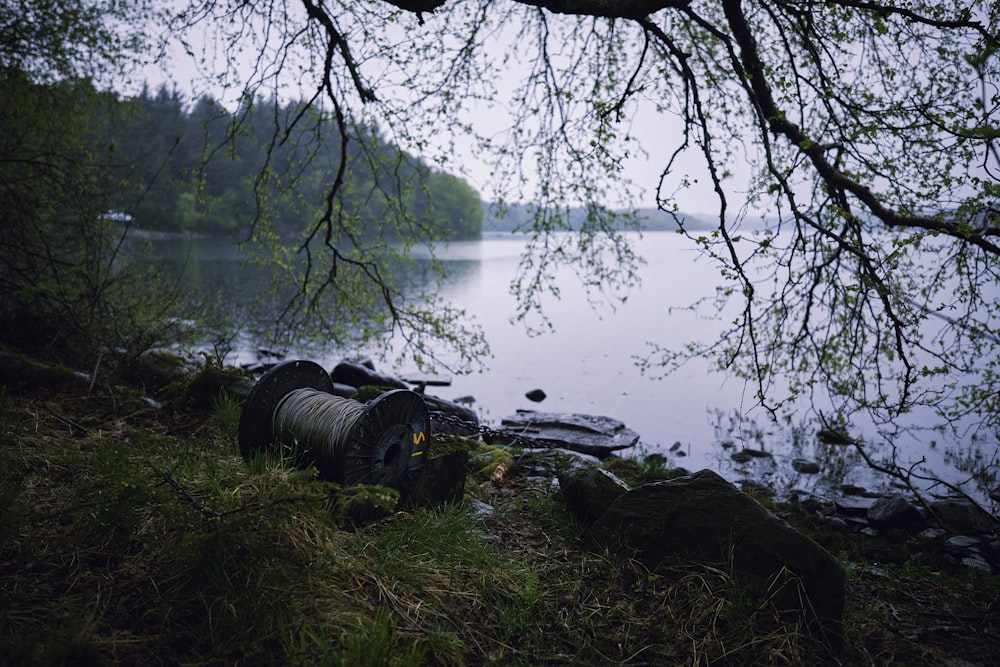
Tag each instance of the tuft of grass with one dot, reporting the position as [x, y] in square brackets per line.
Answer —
[638, 469]
[224, 419]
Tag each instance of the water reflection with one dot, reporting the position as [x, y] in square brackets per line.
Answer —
[587, 363]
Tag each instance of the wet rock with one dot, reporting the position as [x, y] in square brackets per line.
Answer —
[896, 512]
[535, 395]
[360, 374]
[588, 489]
[450, 418]
[853, 506]
[930, 534]
[961, 541]
[344, 390]
[482, 510]
[537, 466]
[805, 466]
[829, 436]
[655, 459]
[747, 454]
[960, 515]
[977, 562]
[703, 517]
[588, 434]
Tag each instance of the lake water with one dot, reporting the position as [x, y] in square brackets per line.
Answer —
[587, 363]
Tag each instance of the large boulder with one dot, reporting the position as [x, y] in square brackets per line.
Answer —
[704, 518]
[896, 512]
[356, 374]
[588, 489]
[588, 434]
[961, 515]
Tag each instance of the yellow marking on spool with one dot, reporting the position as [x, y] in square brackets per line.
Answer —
[418, 438]
[417, 453]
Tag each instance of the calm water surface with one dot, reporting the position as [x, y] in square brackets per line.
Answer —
[587, 363]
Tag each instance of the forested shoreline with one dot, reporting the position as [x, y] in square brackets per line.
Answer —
[174, 165]
[207, 165]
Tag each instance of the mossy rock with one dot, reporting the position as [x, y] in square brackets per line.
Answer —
[207, 385]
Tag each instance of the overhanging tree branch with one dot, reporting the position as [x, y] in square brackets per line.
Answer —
[777, 120]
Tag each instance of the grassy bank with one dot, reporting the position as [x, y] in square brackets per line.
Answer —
[132, 535]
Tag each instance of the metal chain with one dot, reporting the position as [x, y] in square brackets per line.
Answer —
[515, 438]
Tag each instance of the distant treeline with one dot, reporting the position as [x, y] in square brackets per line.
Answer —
[518, 217]
[200, 168]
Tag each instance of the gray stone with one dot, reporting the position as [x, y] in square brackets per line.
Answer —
[463, 420]
[853, 506]
[587, 489]
[896, 512]
[442, 480]
[747, 454]
[481, 510]
[931, 534]
[360, 374]
[962, 516]
[703, 517]
[961, 541]
[588, 434]
[535, 395]
[805, 466]
[976, 562]
[829, 436]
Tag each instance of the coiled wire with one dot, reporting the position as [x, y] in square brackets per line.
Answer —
[318, 422]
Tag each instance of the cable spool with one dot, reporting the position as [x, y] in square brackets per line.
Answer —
[383, 442]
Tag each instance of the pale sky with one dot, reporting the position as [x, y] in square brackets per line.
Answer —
[656, 132]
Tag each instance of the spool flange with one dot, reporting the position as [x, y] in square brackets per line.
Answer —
[256, 430]
[387, 445]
